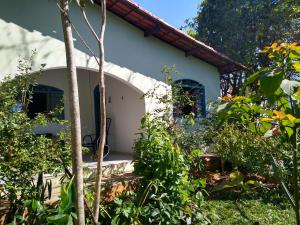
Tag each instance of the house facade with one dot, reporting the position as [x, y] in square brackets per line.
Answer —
[137, 46]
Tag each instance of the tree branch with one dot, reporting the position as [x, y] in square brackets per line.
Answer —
[102, 138]
[88, 23]
[80, 36]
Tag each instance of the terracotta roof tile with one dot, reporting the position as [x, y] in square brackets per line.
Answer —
[154, 26]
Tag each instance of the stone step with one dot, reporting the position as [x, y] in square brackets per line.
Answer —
[112, 171]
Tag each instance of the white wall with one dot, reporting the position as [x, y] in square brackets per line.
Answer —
[131, 59]
[35, 24]
[126, 108]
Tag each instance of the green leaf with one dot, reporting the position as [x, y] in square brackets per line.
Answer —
[70, 220]
[289, 131]
[257, 75]
[251, 182]
[295, 54]
[236, 176]
[270, 84]
[289, 86]
[27, 203]
[296, 95]
[297, 66]
[59, 218]
[115, 220]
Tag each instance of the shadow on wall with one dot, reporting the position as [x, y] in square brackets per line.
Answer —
[35, 25]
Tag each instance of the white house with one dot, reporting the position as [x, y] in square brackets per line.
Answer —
[137, 44]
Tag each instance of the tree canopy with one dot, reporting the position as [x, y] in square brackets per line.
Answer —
[241, 28]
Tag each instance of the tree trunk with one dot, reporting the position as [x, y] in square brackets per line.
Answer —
[102, 137]
[74, 112]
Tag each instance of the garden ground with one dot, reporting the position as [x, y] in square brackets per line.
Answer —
[249, 212]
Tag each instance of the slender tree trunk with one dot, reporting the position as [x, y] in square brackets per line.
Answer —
[74, 112]
[102, 137]
[295, 175]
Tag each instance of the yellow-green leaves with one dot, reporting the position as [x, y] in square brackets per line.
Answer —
[279, 116]
[296, 95]
[287, 121]
[297, 66]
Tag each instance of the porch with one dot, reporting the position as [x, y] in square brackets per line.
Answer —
[124, 102]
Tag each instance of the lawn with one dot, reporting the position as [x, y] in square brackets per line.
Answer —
[263, 207]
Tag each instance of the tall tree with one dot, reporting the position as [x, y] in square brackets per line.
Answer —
[74, 112]
[102, 105]
[241, 28]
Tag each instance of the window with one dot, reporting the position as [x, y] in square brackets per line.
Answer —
[197, 96]
[44, 100]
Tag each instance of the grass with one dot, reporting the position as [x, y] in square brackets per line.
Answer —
[258, 208]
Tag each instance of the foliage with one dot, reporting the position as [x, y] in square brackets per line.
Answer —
[37, 212]
[249, 151]
[162, 165]
[266, 207]
[185, 129]
[277, 108]
[166, 194]
[240, 29]
[169, 95]
[65, 211]
[25, 156]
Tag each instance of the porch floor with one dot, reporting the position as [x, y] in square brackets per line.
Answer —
[115, 163]
[112, 157]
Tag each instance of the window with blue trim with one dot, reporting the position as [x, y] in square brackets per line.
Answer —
[196, 105]
[45, 99]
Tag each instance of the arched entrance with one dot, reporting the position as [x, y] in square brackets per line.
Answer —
[125, 107]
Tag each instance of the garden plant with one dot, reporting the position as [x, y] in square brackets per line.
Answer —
[25, 156]
[272, 111]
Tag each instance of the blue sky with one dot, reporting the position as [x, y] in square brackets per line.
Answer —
[175, 12]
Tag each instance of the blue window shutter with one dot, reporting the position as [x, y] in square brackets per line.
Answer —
[199, 90]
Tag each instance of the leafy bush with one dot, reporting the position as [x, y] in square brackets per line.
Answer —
[166, 194]
[247, 150]
[165, 176]
[276, 107]
[166, 191]
[25, 156]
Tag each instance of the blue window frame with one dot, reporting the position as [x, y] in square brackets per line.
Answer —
[196, 91]
[45, 99]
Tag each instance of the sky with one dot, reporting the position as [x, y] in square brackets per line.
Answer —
[174, 12]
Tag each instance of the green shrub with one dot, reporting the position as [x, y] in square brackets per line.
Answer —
[250, 151]
[25, 156]
[165, 194]
[164, 158]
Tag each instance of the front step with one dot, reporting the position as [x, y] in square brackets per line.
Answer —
[111, 169]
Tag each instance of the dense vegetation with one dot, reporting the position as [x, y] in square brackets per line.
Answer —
[241, 29]
[256, 133]
[25, 156]
[273, 113]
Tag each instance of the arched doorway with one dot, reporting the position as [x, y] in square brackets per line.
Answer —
[125, 106]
